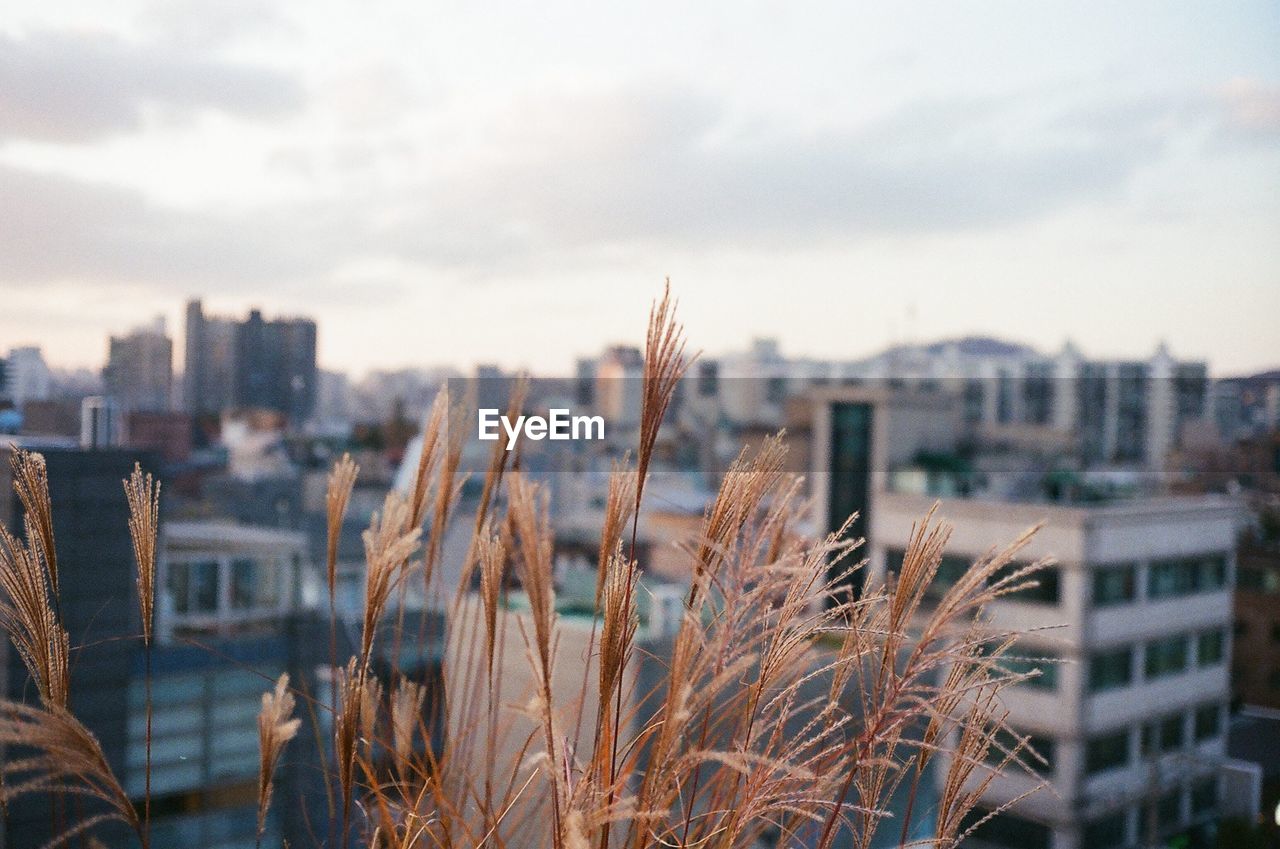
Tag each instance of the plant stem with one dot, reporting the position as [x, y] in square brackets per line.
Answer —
[146, 803]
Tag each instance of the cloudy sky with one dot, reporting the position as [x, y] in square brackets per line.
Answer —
[455, 182]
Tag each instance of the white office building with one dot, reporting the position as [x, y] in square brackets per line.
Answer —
[1130, 628]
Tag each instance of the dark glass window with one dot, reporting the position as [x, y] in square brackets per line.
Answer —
[1167, 656]
[1037, 393]
[1004, 397]
[255, 584]
[1114, 585]
[850, 472]
[1023, 661]
[1107, 832]
[204, 586]
[1108, 751]
[1005, 829]
[1204, 796]
[974, 400]
[1208, 721]
[1047, 584]
[1258, 579]
[1168, 816]
[1091, 402]
[1170, 578]
[1164, 735]
[1210, 647]
[708, 378]
[180, 586]
[1186, 576]
[1109, 670]
[1038, 753]
[1131, 413]
[950, 570]
[1212, 573]
[1169, 810]
[244, 577]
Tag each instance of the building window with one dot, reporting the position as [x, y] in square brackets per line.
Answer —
[1047, 582]
[193, 586]
[850, 468]
[1168, 816]
[1187, 576]
[1037, 393]
[212, 592]
[1210, 647]
[1164, 735]
[1108, 751]
[1169, 810]
[1006, 830]
[950, 570]
[1110, 670]
[708, 378]
[1109, 832]
[1208, 721]
[1259, 579]
[1038, 661]
[1204, 796]
[1114, 585]
[254, 584]
[203, 724]
[1038, 752]
[974, 400]
[1167, 656]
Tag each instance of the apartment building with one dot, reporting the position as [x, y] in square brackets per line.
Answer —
[1128, 412]
[139, 370]
[1130, 629]
[229, 619]
[255, 362]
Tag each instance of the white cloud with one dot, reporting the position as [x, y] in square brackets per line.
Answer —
[84, 86]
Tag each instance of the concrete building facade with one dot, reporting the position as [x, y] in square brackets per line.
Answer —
[1129, 629]
[259, 363]
[139, 370]
[229, 620]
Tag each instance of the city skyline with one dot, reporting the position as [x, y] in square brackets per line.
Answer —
[174, 331]
[742, 425]
[842, 181]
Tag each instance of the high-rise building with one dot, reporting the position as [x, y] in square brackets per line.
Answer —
[29, 378]
[209, 368]
[617, 390]
[139, 371]
[267, 364]
[1129, 630]
[276, 365]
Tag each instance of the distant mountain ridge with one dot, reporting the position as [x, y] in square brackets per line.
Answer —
[974, 346]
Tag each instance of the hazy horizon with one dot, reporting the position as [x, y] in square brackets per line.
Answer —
[566, 370]
[449, 185]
